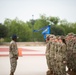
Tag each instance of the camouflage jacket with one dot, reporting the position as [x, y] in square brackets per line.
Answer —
[13, 50]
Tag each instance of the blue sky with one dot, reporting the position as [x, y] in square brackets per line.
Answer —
[24, 9]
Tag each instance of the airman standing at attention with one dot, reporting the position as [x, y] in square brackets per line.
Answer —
[47, 53]
[74, 54]
[60, 58]
[69, 42]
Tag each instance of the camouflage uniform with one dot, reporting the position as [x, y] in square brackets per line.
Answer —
[47, 53]
[60, 57]
[74, 54]
[55, 58]
[52, 53]
[70, 53]
[13, 54]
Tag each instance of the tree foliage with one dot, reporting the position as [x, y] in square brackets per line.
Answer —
[3, 31]
[24, 30]
[57, 30]
[19, 28]
[54, 20]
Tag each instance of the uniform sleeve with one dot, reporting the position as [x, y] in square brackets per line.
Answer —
[64, 52]
[74, 47]
[47, 48]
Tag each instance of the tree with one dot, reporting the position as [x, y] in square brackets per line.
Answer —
[68, 27]
[25, 30]
[54, 20]
[19, 28]
[3, 31]
[57, 30]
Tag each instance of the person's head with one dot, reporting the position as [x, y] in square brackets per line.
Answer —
[74, 36]
[14, 37]
[52, 37]
[70, 35]
[59, 38]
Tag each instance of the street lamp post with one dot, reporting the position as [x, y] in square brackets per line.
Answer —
[33, 27]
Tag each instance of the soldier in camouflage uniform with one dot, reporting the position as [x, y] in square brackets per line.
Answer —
[55, 42]
[74, 54]
[52, 53]
[48, 58]
[60, 58]
[47, 53]
[13, 54]
[69, 42]
[47, 49]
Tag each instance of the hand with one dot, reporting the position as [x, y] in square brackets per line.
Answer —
[16, 58]
[64, 62]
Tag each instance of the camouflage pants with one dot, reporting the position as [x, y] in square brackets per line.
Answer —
[52, 63]
[61, 68]
[74, 61]
[48, 61]
[69, 59]
[13, 63]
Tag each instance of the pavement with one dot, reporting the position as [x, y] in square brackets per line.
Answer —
[32, 61]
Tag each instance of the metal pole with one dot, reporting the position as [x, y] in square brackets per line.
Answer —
[32, 27]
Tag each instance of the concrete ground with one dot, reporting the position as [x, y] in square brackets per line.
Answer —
[32, 63]
[27, 65]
